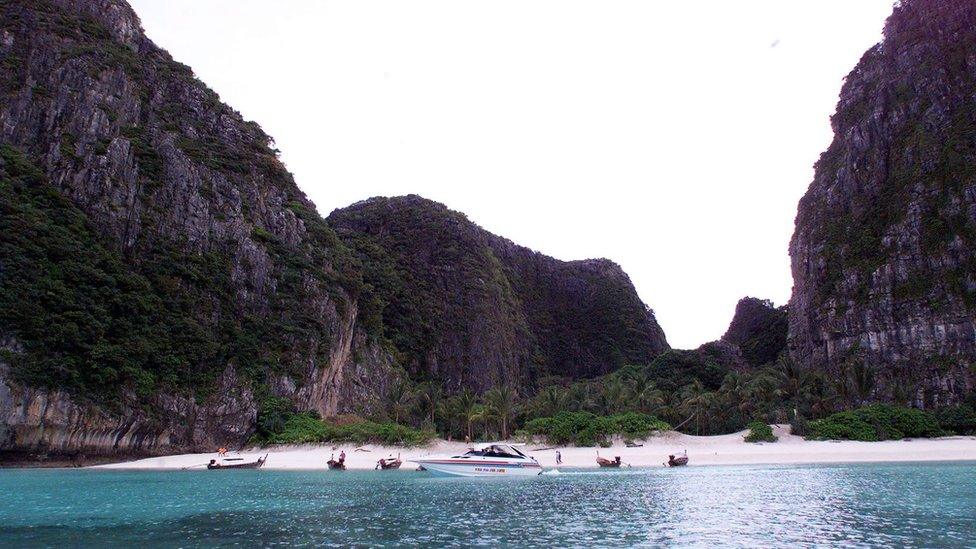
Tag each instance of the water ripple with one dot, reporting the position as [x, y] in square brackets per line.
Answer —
[865, 505]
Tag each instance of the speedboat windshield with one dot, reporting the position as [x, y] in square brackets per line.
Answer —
[497, 451]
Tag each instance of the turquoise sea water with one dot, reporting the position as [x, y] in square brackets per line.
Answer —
[864, 505]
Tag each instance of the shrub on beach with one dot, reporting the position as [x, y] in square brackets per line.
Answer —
[960, 420]
[876, 422]
[587, 429]
[760, 432]
[636, 425]
[307, 428]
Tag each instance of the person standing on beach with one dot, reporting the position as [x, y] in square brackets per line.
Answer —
[559, 458]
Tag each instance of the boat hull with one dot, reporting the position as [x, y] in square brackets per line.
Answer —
[459, 468]
[250, 465]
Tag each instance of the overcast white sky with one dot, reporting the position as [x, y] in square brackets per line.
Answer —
[673, 137]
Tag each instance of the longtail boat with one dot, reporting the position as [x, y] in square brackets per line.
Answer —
[604, 462]
[236, 463]
[337, 464]
[678, 461]
[389, 463]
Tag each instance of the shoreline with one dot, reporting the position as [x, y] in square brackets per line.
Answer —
[723, 450]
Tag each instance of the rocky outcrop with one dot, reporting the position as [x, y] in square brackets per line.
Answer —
[884, 252]
[54, 424]
[472, 309]
[758, 330]
[193, 278]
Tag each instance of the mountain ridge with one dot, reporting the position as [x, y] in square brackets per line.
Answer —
[180, 283]
[430, 239]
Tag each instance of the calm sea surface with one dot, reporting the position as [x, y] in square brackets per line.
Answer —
[916, 505]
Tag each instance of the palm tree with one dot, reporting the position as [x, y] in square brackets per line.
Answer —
[671, 410]
[764, 390]
[844, 389]
[430, 397]
[697, 401]
[483, 412]
[612, 396]
[502, 400]
[734, 389]
[820, 398]
[579, 396]
[549, 402]
[643, 392]
[863, 378]
[796, 381]
[400, 398]
[651, 399]
[467, 404]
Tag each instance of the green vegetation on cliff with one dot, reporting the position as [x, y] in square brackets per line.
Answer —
[884, 251]
[153, 241]
[759, 329]
[163, 242]
[928, 160]
[88, 322]
[467, 307]
[110, 297]
[93, 321]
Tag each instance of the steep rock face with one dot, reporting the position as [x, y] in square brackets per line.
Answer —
[162, 278]
[586, 315]
[184, 279]
[884, 252]
[759, 330]
[472, 309]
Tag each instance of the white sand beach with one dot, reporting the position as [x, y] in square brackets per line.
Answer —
[711, 450]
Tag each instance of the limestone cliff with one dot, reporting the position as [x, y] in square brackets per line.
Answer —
[162, 273]
[472, 309]
[163, 279]
[758, 330]
[884, 252]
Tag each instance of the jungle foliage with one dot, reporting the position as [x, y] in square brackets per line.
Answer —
[587, 429]
[89, 320]
[308, 427]
[876, 422]
[92, 320]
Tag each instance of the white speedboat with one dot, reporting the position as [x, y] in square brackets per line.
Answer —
[485, 460]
